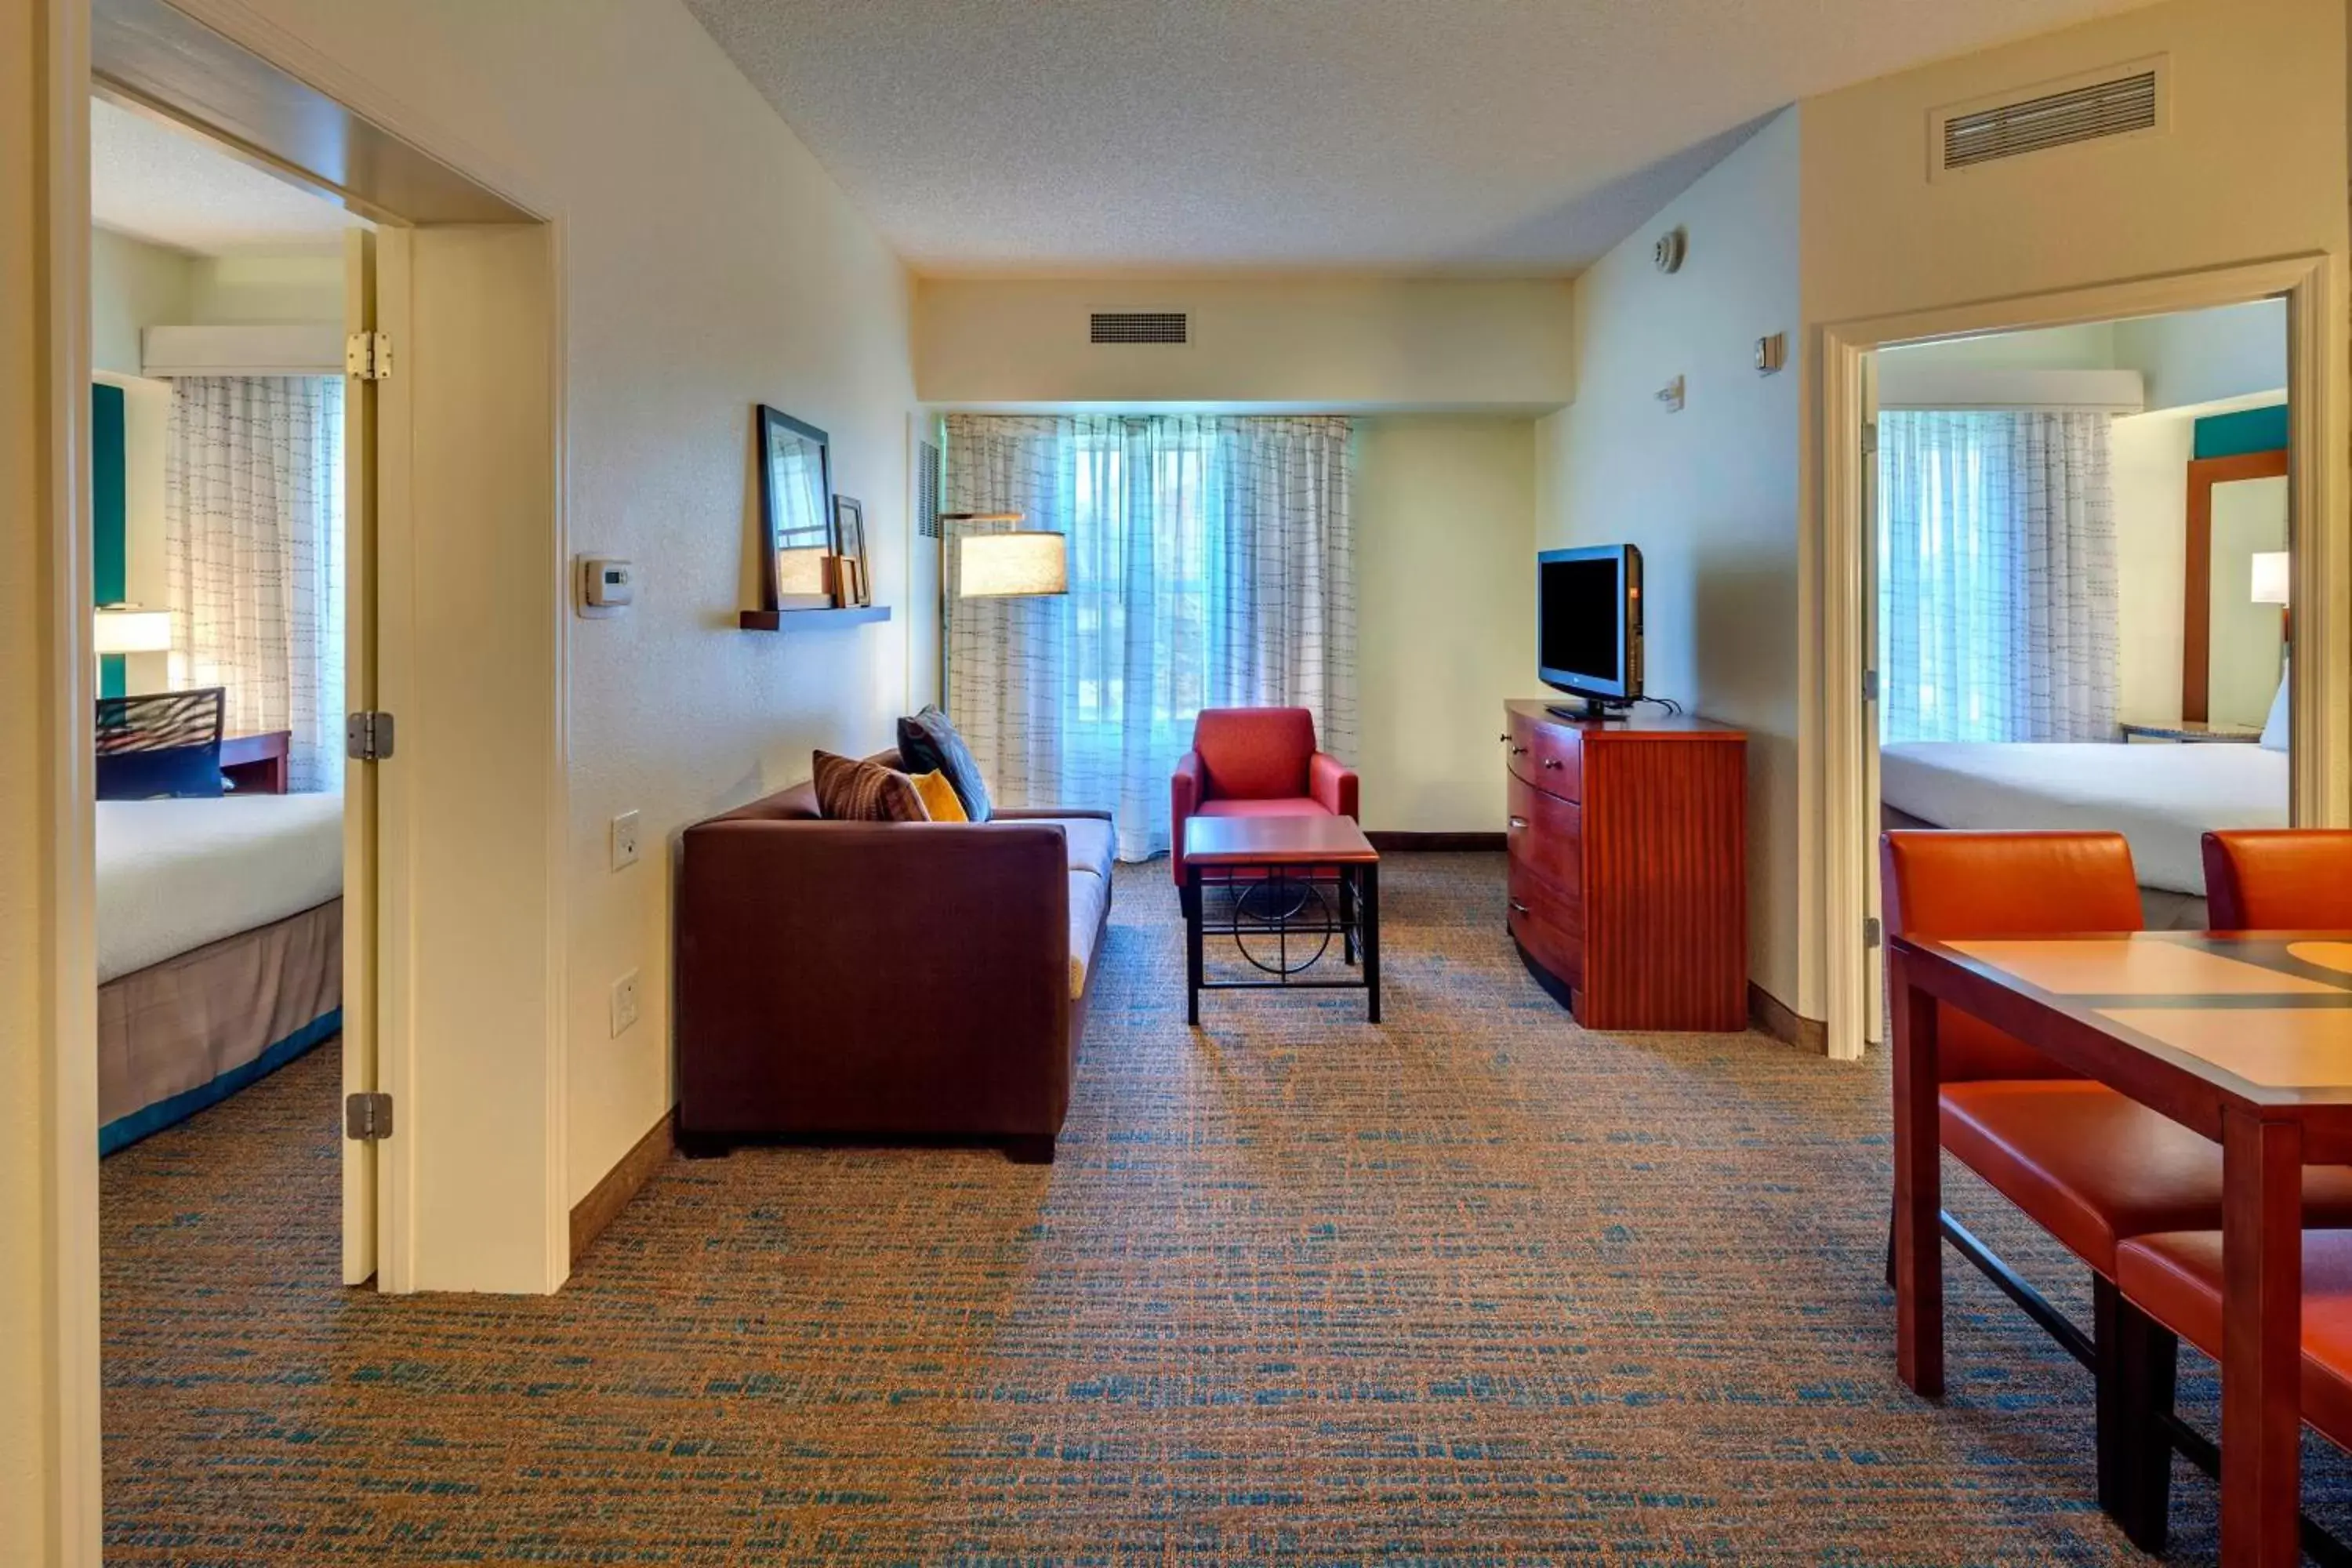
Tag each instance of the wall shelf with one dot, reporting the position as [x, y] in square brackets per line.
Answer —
[785, 620]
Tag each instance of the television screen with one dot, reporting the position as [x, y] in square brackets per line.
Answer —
[1579, 603]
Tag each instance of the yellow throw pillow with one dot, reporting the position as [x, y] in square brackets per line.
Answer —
[939, 796]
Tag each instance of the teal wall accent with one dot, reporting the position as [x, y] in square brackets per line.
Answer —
[108, 524]
[2248, 430]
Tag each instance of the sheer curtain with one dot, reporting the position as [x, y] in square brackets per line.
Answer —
[1997, 608]
[253, 517]
[1211, 566]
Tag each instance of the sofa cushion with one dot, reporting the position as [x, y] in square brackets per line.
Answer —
[1089, 897]
[850, 791]
[939, 797]
[929, 742]
[1089, 839]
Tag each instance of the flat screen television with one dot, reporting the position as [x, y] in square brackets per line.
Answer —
[1589, 625]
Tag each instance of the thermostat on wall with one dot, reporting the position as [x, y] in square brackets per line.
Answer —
[608, 585]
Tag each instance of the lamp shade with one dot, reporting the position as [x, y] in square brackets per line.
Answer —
[2269, 585]
[1013, 564]
[126, 628]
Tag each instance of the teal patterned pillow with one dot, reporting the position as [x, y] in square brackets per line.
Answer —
[929, 743]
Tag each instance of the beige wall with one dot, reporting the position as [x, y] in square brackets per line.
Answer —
[132, 284]
[627, 122]
[2148, 465]
[1332, 343]
[1710, 493]
[1444, 518]
[266, 290]
[2253, 167]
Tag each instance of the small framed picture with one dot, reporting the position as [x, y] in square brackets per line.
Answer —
[850, 541]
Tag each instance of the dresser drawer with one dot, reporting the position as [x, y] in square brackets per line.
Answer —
[1545, 835]
[1548, 756]
[1548, 922]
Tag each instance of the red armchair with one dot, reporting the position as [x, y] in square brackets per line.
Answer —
[1256, 762]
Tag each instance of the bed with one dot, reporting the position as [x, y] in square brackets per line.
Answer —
[2163, 798]
[219, 949]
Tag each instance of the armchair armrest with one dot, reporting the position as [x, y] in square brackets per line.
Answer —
[1332, 783]
[1187, 786]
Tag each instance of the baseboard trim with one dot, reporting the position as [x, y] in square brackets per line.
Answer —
[608, 1197]
[1774, 1017]
[1425, 843]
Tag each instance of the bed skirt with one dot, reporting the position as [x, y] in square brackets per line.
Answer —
[2160, 908]
[189, 1032]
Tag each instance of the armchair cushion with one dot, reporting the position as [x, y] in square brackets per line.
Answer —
[1254, 753]
[929, 743]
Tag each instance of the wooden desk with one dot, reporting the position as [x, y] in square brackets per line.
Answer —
[2244, 1038]
[257, 765]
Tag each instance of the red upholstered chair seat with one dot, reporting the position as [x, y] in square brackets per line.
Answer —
[2176, 1278]
[1256, 762]
[2096, 1169]
[1298, 807]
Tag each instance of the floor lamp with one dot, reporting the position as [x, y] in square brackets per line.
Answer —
[1016, 563]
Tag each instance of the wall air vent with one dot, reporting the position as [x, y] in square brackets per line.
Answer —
[2125, 103]
[927, 490]
[1139, 327]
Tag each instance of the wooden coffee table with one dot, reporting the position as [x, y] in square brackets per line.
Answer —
[1292, 883]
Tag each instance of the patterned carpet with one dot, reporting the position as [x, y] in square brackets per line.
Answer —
[1471, 1288]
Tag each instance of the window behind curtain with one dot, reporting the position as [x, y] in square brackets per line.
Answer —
[1210, 565]
[1997, 611]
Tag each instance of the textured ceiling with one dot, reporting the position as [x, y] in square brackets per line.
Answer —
[168, 187]
[1497, 135]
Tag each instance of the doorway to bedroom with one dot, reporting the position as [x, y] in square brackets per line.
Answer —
[220, 580]
[2078, 560]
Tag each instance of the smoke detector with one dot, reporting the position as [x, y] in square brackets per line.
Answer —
[1669, 251]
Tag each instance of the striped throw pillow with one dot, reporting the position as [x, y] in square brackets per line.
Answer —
[851, 791]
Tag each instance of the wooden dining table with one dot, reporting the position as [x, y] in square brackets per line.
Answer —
[2243, 1037]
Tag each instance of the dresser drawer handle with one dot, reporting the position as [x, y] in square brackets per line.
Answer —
[1518, 822]
[1517, 908]
[1518, 751]
[1504, 739]
[1552, 761]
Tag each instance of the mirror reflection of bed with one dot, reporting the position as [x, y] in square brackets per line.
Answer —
[2082, 554]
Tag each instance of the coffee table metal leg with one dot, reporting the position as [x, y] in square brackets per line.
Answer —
[1367, 900]
[1350, 908]
[1192, 945]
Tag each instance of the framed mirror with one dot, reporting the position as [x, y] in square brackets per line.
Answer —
[796, 503]
[2233, 626]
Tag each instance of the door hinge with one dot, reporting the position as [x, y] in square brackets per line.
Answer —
[1872, 932]
[1870, 440]
[367, 1117]
[368, 355]
[1870, 686]
[367, 737]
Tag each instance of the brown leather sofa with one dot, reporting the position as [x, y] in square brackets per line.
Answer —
[885, 980]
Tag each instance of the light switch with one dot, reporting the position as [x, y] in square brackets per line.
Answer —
[624, 840]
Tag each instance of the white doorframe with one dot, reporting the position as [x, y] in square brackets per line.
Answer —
[2322, 758]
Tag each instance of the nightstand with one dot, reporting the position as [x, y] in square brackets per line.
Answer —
[2192, 735]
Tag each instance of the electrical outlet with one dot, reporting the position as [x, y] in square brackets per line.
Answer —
[624, 840]
[625, 1002]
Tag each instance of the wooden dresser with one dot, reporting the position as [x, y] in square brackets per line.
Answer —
[1629, 866]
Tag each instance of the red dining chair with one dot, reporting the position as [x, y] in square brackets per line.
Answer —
[2176, 1278]
[1256, 762]
[2093, 1167]
[2279, 879]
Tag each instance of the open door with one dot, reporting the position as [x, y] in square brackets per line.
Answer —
[359, 925]
[1873, 1004]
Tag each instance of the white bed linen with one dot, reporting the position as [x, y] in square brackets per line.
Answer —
[174, 874]
[2163, 798]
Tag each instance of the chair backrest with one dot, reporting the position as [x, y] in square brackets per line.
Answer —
[1955, 884]
[164, 744]
[1254, 753]
[2285, 878]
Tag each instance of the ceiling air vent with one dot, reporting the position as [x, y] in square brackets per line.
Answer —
[2121, 105]
[1139, 327]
